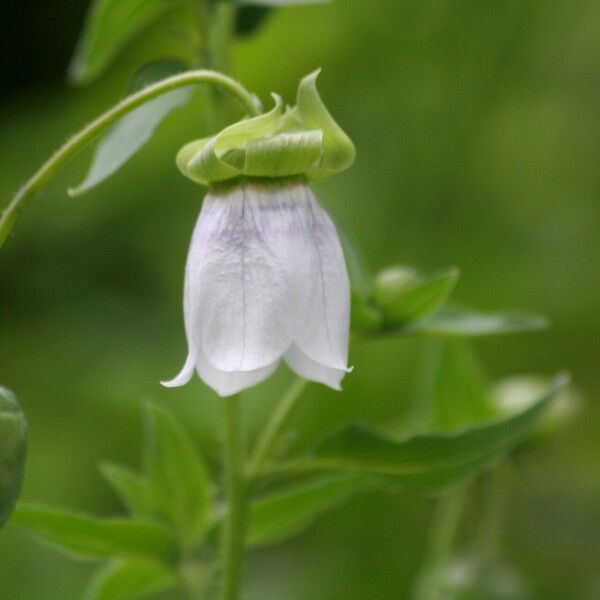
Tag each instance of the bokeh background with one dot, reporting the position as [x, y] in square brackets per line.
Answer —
[477, 126]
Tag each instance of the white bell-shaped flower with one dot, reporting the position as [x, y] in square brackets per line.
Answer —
[265, 281]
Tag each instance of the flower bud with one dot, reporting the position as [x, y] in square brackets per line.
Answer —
[471, 578]
[406, 296]
[516, 394]
[13, 447]
[394, 281]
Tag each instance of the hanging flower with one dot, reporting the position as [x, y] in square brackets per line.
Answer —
[265, 278]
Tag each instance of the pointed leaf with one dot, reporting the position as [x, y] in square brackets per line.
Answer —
[428, 461]
[286, 513]
[458, 393]
[128, 135]
[181, 491]
[127, 579]
[110, 25]
[91, 537]
[132, 488]
[13, 448]
[466, 322]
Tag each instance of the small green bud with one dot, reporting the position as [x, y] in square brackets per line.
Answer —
[394, 281]
[299, 141]
[13, 448]
[406, 296]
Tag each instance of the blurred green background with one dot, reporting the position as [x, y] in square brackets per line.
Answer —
[477, 126]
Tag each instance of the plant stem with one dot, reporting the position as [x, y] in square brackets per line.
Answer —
[78, 141]
[220, 35]
[495, 507]
[277, 423]
[232, 544]
[440, 545]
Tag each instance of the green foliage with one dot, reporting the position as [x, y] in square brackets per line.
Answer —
[405, 297]
[91, 537]
[172, 503]
[132, 488]
[127, 579]
[427, 461]
[110, 25]
[180, 491]
[456, 321]
[13, 449]
[282, 515]
[456, 392]
[402, 301]
[134, 130]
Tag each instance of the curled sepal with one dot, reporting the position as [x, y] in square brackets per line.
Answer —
[303, 140]
[338, 149]
[215, 159]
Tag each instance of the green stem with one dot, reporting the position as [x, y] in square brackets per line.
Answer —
[442, 535]
[232, 545]
[220, 35]
[88, 133]
[495, 507]
[276, 424]
[200, 12]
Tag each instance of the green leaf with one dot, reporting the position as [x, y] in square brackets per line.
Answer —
[181, 491]
[454, 321]
[405, 297]
[128, 135]
[91, 537]
[132, 488]
[428, 461]
[13, 449]
[127, 579]
[110, 25]
[458, 393]
[285, 514]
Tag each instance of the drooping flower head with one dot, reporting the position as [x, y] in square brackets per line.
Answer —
[265, 278]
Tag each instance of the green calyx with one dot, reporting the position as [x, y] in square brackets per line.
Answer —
[302, 140]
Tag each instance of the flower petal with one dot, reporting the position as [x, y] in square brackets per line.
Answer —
[313, 371]
[236, 294]
[321, 286]
[227, 383]
[184, 375]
